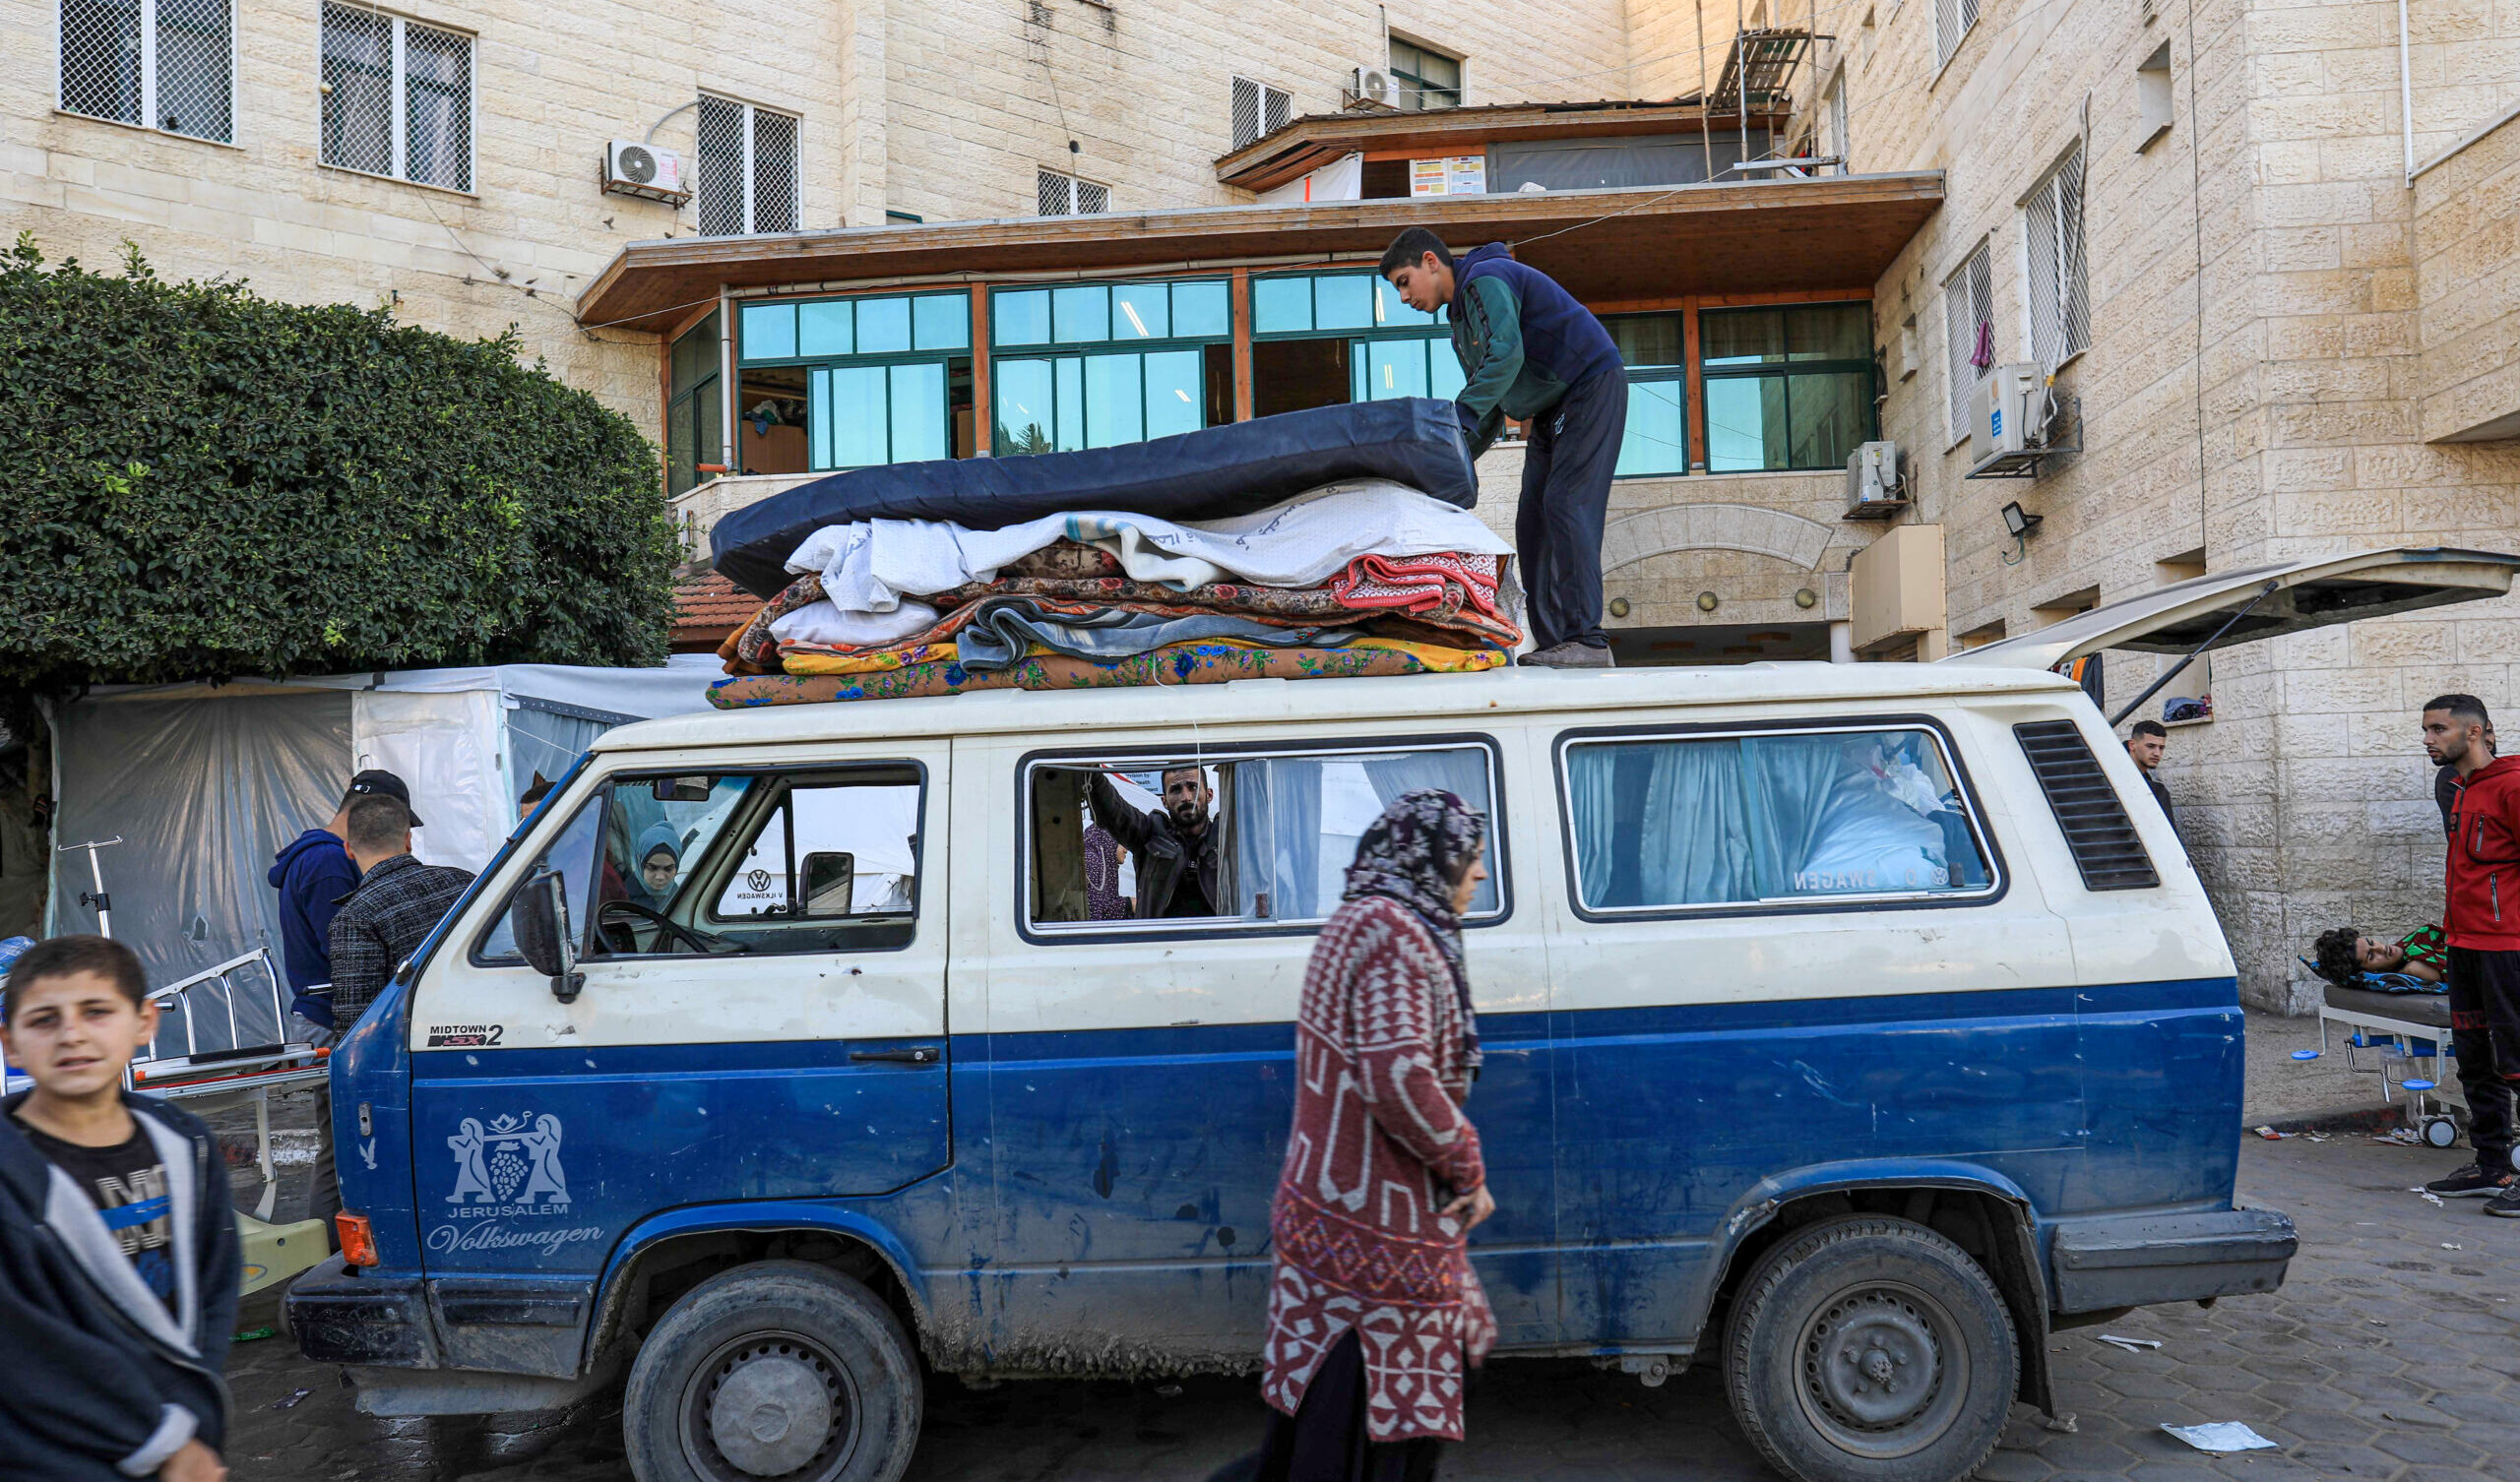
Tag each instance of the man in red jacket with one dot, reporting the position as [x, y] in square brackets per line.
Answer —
[2483, 919]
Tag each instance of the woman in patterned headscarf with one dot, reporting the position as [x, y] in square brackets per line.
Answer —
[1385, 1053]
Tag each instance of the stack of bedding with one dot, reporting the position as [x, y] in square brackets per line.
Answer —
[1358, 578]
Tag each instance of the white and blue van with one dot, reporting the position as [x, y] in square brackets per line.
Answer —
[1853, 1025]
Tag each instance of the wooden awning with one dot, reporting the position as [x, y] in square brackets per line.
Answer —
[1313, 141]
[1607, 247]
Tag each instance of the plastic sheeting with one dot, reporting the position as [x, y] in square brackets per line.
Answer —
[1603, 163]
[204, 785]
[1233, 468]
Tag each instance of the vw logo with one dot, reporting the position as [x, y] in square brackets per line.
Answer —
[759, 880]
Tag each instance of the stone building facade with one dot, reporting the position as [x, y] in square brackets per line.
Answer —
[2293, 349]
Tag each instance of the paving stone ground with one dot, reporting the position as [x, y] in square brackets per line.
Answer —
[2391, 1355]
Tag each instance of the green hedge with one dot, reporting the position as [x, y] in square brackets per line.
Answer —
[205, 483]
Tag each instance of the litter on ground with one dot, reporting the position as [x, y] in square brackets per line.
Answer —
[2131, 1345]
[2221, 1436]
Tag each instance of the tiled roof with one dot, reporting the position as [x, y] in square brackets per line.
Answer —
[707, 607]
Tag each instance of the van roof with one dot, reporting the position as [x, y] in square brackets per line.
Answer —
[1505, 691]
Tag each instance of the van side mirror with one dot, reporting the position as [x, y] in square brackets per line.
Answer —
[831, 880]
[539, 915]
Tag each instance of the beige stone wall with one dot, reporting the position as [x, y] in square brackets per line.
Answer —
[2467, 247]
[2251, 388]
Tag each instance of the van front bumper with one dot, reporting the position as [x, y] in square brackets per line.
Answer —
[2134, 1260]
[341, 1318]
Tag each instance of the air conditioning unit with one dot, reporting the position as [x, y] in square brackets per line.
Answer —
[1372, 87]
[1874, 490]
[633, 168]
[2008, 413]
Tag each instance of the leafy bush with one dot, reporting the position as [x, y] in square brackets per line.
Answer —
[205, 483]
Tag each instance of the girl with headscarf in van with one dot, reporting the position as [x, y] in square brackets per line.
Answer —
[660, 857]
[1374, 1315]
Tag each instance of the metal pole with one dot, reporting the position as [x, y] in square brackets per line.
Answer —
[2180, 667]
[1705, 104]
[2405, 95]
[1741, 73]
[104, 902]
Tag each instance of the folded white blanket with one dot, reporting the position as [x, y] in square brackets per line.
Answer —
[872, 566]
[825, 624]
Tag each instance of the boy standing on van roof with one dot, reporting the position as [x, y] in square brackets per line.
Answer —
[2484, 932]
[1531, 352]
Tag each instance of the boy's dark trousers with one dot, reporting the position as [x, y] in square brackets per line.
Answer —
[1566, 494]
[2487, 1069]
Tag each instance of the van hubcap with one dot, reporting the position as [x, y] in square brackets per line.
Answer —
[771, 1405]
[1881, 1375]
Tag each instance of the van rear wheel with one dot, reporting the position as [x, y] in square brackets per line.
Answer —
[778, 1371]
[1870, 1349]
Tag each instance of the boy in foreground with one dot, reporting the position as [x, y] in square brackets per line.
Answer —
[1530, 351]
[118, 1252]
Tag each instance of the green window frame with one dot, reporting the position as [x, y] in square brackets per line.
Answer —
[1786, 386]
[1393, 350]
[694, 418]
[879, 371]
[1652, 348]
[1094, 365]
[1428, 78]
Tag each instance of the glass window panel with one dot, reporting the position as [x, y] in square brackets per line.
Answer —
[1746, 424]
[1656, 440]
[918, 412]
[710, 412]
[826, 328]
[883, 326]
[769, 330]
[941, 322]
[1392, 368]
[1081, 314]
[1831, 416]
[1202, 311]
[1141, 311]
[1743, 337]
[573, 854]
[818, 417]
[1023, 318]
[1175, 387]
[1345, 301]
[1391, 309]
[1830, 332]
[1280, 306]
[1027, 412]
[1445, 377]
[1114, 400]
[858, 415]
[1646, 340]
[1070, 373]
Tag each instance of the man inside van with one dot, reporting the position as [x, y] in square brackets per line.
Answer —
[2146, 743]
[1528, 351]
[2482, 927]
[1180, 870]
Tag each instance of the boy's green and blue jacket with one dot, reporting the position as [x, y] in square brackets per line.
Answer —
[1523, 341]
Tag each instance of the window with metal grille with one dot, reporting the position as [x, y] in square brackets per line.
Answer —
[1066, 195]
[1968, 319]
[1426, 79]
[1259, 111]
[160, 64]
[746, 163]
[398, 97]
[2098, 832]
[2059, 280]
[1952, 20]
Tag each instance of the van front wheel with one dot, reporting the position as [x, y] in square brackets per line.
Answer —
[1870, 1350]
[778, 1370]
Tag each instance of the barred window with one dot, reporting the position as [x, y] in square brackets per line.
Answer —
[1969, 318]
[159, 64]
[1952, 20]
[1066, 195]
[1259, 111]
[2060, 280]
[398, 97]
[747, 168]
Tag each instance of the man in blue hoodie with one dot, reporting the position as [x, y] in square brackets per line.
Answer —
[1530, 351]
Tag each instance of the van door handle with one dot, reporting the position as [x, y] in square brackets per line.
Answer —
[915, 1055]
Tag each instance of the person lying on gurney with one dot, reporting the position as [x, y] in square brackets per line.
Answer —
[2344, 957]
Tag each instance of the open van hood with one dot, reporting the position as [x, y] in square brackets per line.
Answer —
[2304, 594]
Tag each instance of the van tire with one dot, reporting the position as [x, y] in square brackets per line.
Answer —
[1911, 1299]
[774, 1336]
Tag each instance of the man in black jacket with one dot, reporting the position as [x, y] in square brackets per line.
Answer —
[1180, 870]
[118, 1256]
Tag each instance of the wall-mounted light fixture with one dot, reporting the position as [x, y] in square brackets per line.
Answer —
[1619, 607]
[1707, 601]
[1805, 598]
[2021, 525]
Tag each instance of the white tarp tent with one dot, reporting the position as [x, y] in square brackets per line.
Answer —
[204, 783]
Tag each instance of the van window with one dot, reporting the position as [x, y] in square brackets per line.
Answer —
[1214, 842]
[1770, 818]
[572, 852]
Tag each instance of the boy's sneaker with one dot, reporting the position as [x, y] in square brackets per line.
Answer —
[2470, 1182]
[2507, 1203]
